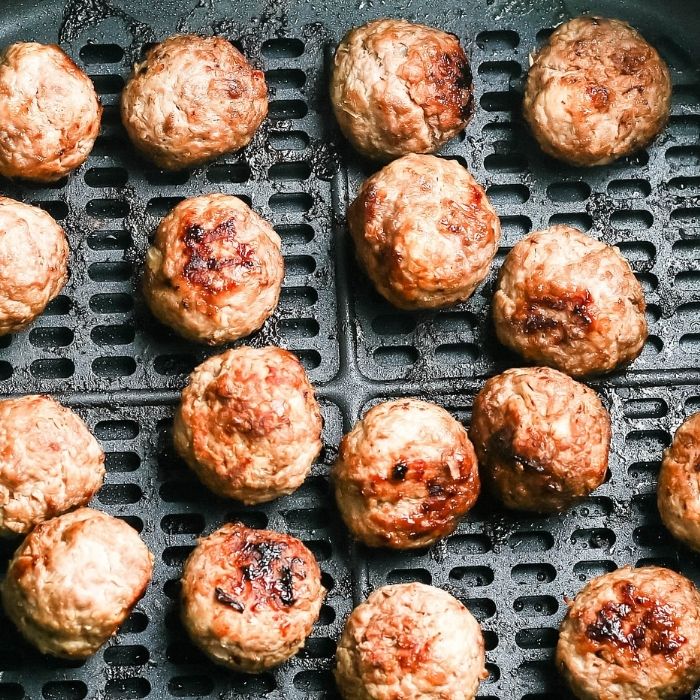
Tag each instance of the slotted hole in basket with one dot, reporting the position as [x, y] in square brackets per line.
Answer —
[64, 690]
[190, 686]
[472, 576]
[468, 544]
[120, 494]
[126, 655]
[537, 638]
[247, 685]
[537, 605]
[228, 172]
[505, 163]
[499, 40]
[51, 337]
[101, 53]
[110, 240]
[285, 78]
[533, 574]
[107, 84]
[115, 366]
[118, 271]
[396, 355]
[109, 430]
[127, 688]
[568, 191]
[289, 140]
[593, 538]
[107, 208]
[499, 71]
[456, 353]
[310, 359]
[60, 306]
[135, 623]
[501, 101]
[295, 234]
[629, 189]
[160, 206]
[282, 48]
[298, 170]
[175, 364]
[501, 195]
[318, 648]
[683, 156]
[297, 328]
[291, 202]
[313, 680]
[58, 368]
[578, 220]
[182, 524]
[481, 608]
[106, 177]
[57, 209]
[287, 109]
[531, 541]
[117, 334]
[166, 177]
[116, 303]
[122, 461]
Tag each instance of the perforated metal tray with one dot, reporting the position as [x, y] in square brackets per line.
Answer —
[100, 351]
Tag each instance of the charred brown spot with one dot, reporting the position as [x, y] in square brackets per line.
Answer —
[227, 599]
[451, 74]
[599, 96]
[533, 316]
[398, 473]
[500, 444]
[268, 571]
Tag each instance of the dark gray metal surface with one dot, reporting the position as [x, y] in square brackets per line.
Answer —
[99, 350]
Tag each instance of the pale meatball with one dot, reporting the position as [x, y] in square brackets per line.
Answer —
[214, 272]
[49, 113]
[49, 463]
[405, 475]
[192, 99]
[249, 424]
[678, 493]
[542, 439]
[74, 580]
[571, 302]
[398, 88]
[633, 634]
[413, 642]
[33, 263]
[424, 231]
[250, 597]
[596, 91]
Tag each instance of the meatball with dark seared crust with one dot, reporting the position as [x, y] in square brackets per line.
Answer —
[215, 269]
[542, 439]
[632, 635]
[405, 475]
[425, 232]
[192, 99]
[49, 113]
[399, 88]
[566, 300]
[596, 91]
[678, 493]
[250, 597]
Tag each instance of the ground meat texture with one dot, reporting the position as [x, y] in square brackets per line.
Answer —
[192, 99]
[424, 231]
[33, 263]
[215, 269]
[399, 88]
[568, 301]
[678, 493]
[596, 91]
[632, 634]
[250, 597]
[49, 462]
[413, 642]
[74, 580]
[49, 113]
[249, 424]
[405, 475]
[542, 439]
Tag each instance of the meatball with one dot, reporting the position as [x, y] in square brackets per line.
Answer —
[33, 263]
[398, 88]
[192, 99]
[566, 300]
[632, 635]
[50, 462]
[250, 597]
[425, 232]
[596, 91]
[542, 439]
[678, 494]
[49, 112]
[214, 271]
[405, 475]
[74, 580]
[413, 642]
[249, 424]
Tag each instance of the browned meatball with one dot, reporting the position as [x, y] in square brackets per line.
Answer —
[249, 424]
[410, 642]
[215, 269]
[596, 91]
[33, 263]
[74, 580]
[425, 232]
[678, 493]
[250, 597]
[192, 99]
[542, 439]
[405, 475]
[398, 88]
[569, 301]
[632, 634]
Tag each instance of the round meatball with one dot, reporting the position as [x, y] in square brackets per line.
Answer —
[74, 580]
[632, 635]
[249, 424]
[50, 462]
[215, 269]
[192, 99]
[596, 91]
[49, 112]
[569, 301]
[33, 263]
[405, 475]
[678, 493]
[413, 642]
[398, 88]
[542, 439]
[250, 597]
[424, 231]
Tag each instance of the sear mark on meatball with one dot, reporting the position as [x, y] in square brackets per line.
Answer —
[266, 568]
[599, 96]
[636, 622]
[500, 443]
[535, 315]
[227, 599]
[398, 473]
[452, 76]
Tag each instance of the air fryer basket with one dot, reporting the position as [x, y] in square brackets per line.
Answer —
[99, 350]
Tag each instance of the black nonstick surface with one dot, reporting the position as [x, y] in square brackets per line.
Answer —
[100, 351]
